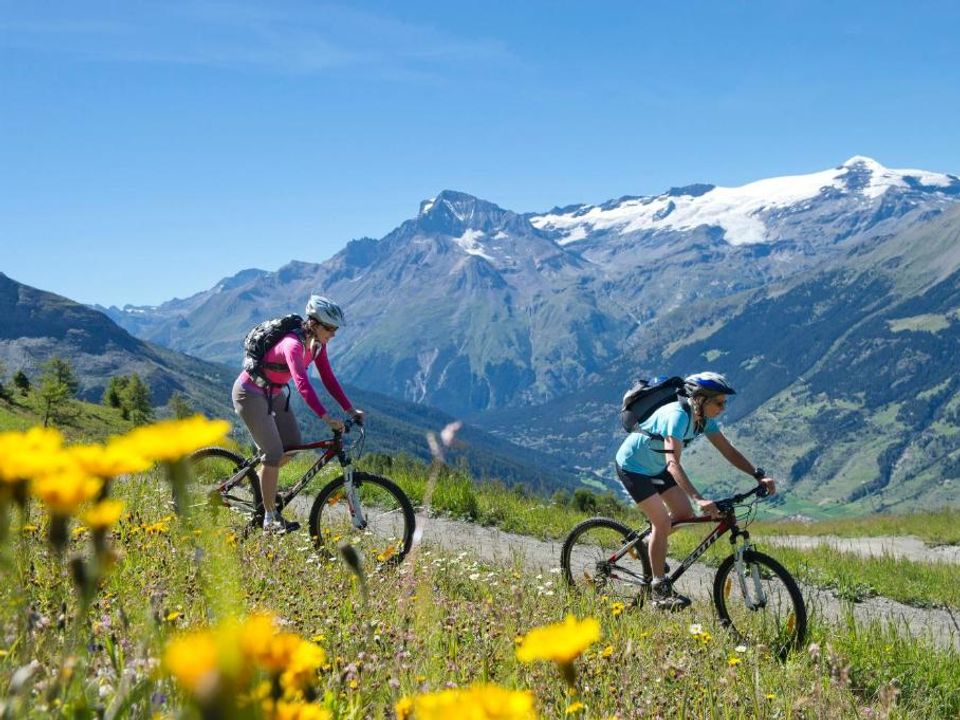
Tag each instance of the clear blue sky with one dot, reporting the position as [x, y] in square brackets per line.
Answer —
[148, 149]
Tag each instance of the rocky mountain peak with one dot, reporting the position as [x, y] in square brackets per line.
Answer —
[454, 213]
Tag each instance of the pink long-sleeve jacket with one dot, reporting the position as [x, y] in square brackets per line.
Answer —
[295, 354]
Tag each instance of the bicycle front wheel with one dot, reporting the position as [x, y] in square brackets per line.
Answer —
[760, 603]
[387, 533]
[587, 560]
[212, 467]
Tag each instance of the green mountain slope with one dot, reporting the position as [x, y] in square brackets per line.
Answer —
[846, 377]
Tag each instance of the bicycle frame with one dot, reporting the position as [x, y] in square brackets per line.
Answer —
[726, 523]
[332, 448]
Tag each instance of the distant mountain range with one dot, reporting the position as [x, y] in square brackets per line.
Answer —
[826, 297]
[470, 307]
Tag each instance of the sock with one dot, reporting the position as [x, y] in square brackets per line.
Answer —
[269, 517]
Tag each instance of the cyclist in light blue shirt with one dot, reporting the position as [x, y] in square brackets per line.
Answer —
[648, 465]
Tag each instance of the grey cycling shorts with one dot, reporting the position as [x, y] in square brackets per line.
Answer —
[271, 433]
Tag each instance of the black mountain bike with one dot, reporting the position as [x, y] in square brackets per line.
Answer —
[755, 597]
[369, 511]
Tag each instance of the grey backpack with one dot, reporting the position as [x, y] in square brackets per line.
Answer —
[263, 337]
[645, 396]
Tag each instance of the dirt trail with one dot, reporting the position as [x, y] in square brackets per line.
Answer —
[495, 546]
[939, 626]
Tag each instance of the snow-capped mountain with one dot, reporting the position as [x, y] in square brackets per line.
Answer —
[469, 306]
[746, 214]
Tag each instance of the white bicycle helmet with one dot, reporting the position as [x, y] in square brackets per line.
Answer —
[324, 310]
[711, 382]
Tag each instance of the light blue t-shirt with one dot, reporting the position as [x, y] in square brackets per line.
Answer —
[637, 453]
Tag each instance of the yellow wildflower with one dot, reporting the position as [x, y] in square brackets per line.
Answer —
[25, 455]
[172, 440]
[478, 702]
[299, 711]
[109, 460]
[388, 553]
[279, 652]
[616, 608]
[574, 707]
[607, 651]
[161, 526]
[560, 642]
[404, 708]
[307, 658]
[103, 514]
[62, 493]
[733, 661]
[192, 659]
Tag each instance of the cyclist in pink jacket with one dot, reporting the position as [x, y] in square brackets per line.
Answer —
[269, 418]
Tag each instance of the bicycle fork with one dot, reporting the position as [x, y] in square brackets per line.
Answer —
[357, 517]
[757, 598]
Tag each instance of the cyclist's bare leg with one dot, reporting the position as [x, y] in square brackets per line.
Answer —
[656, 511]
[678, 504]
[269, 476]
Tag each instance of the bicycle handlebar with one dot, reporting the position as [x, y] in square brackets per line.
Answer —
[727, 504]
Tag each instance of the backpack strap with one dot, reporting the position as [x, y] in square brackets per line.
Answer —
[276, 366]
[685, 404]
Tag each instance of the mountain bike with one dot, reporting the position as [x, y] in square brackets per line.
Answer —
[370, 510]
[755, 597]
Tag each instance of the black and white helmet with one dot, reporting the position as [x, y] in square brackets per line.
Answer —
[710, 383]
[324, 310]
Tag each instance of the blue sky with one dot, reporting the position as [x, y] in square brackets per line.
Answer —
[149, 149]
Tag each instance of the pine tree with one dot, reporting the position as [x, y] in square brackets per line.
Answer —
[180, 406]
[58, 385]
[113, 394]
[21, 382]
[135, 400]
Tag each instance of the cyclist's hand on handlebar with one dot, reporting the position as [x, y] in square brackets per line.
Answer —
[770, 485]
[707, 507]
[333, 423]
[358, 416]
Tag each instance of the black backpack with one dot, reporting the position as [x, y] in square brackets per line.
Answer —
[263, 337]
[645, 396]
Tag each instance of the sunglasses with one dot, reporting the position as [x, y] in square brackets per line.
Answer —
[328, 328]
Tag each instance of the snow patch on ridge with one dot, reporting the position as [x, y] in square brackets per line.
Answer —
[469, 241]
[736, 210]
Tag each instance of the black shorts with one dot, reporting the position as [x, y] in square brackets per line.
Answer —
[641, 487]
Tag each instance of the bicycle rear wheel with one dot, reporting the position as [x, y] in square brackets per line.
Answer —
[586, 560]
[390, 521]
[213, 466]
[764, 606]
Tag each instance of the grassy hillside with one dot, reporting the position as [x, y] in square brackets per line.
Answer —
[82, 421]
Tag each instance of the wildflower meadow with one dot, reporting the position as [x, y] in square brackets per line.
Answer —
[126, 595]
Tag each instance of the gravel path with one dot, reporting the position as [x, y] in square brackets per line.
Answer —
[939, 626]
[495, 546]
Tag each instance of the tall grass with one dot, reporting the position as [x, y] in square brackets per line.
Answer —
[936, 528]
[439, 619]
